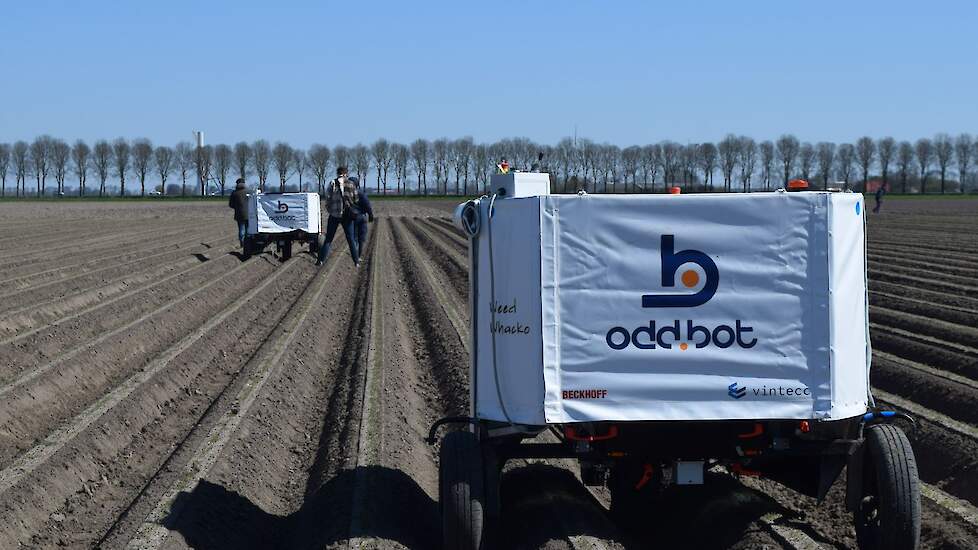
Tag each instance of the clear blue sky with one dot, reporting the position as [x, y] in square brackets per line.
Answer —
[623, 72]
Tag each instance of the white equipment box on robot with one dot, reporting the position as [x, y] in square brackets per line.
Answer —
[595, 308]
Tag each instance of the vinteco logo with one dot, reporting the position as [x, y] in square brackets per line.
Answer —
[736, 392]
[705, 280]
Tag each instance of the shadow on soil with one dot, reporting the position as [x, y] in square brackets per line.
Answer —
[214, 518]
[543, 504]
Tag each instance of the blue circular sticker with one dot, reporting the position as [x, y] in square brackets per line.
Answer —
[857, 208]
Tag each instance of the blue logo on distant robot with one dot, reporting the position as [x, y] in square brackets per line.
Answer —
[857, 208]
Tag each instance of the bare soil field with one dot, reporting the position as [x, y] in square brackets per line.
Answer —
[157, 390]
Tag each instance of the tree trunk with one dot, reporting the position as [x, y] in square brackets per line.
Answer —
[943, 172]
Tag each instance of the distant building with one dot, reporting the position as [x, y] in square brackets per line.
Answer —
[874, 183]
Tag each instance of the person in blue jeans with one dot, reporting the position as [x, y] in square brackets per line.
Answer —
[366, 215]
[342, 205]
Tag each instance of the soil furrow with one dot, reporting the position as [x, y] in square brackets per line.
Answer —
[418, 384]
[94, 245]
[66, 266]
[933, 371]
[946, 301]
[955, 358]
[167, 511]
[957, 315]
[81, 379]
[934, 392]
[946, 277]
[451, 238]
[72, 320]
[31, 350]
[962, 334]
[449, 307]
[56, 234]
[120, 453]
[31, 284]
[104, 284]
[448, 229]
[34, 457]
[446, 257]
[967, 291]
[927, 250]
[910, 261]
[370, 435]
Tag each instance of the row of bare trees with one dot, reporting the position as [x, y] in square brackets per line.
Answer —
[461, 166]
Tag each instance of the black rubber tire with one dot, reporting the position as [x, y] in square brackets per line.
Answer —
[461, 491]
[314, 247]
[888, 516]
[286, 250]
[493, 471]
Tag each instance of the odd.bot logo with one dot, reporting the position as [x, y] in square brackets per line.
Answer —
[282, 207]
[671, 261]
[666, 334]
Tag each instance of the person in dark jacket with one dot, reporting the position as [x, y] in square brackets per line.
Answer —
[366, 215]
[342, 205]
[880, 192]
[239, 202]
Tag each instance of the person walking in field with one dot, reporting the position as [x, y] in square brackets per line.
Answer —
[342, 205]
[880, 192]
[366, 215]
[239, 202]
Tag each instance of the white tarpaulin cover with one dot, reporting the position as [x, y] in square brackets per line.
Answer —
[283, 212]
[659, 307]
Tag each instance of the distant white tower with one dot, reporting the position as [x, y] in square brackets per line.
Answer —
[199, 138]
